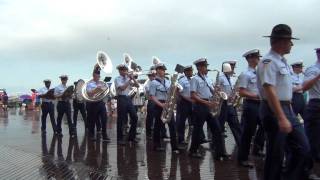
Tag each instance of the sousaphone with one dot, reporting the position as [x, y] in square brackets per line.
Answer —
[105, 64]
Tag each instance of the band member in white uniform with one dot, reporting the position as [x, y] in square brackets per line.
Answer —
[63, 106]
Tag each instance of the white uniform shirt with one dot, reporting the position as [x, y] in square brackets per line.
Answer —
[59, 90]
[226, 86]
[147, 87]
[248, 80]
[160, 89]
[310, 73]
[43, 91]
[202, 86]
[91, 85]
[120, 81]
[297, 81]
[185, 83]
[274, 70]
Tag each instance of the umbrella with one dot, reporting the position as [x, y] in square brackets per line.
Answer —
[33, 90]
[25, 96]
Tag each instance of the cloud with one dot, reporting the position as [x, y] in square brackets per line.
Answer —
[176, 31]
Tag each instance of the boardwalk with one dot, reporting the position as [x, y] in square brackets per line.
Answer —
[26, 154]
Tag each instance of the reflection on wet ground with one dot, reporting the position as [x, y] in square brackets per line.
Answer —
[26, 154]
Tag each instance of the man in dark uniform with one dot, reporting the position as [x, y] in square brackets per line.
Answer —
[228, 111]
[159, 89]
[312, 113]
[79, 105]
[123, 83]
[63, 106]
[283, 129]
[298, 101]
[250, 115]
[96, 110]
[201, 89]
[150, 105]
[47, 107]
[184, 104]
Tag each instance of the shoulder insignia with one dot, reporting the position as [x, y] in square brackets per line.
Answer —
[266, 61]
[180, 78]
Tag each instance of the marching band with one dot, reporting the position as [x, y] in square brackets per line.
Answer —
[269, 98]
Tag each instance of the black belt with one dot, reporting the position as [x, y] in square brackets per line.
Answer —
[94, 102]
[201, 104]
[46, 102]
[281, 102]
[314, 100]
[298, 93]
[123, 96]
[76, 101]
[255, 101]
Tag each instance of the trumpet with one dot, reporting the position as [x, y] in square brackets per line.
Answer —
[105, 64]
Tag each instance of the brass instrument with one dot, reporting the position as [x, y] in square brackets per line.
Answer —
[234, 98]
[102, 90]
[49, 94]
[132, 93]
[168, 111]
[134, 90]
[67, 93]
[78, 91]
[218, 96]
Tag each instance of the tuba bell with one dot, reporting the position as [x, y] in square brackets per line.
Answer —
[105, 64]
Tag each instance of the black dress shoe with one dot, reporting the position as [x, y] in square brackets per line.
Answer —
[223, 157]
[313, 177]
[165, 136]
[183, 142]
[258, 153]
[203, 141]
[106, 139]
[159, 149]
[149, 135]
[122, 143]
[317, 159]
[59, 134]
[195, 155]
[246, 164]
[133, 141]
[175, 151]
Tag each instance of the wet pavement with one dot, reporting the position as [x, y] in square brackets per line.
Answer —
[26, 154]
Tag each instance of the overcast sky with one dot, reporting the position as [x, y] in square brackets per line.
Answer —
[42, 39]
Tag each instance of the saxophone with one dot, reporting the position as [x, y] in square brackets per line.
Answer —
[235, 98]
[218, 96]
[168, 112]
